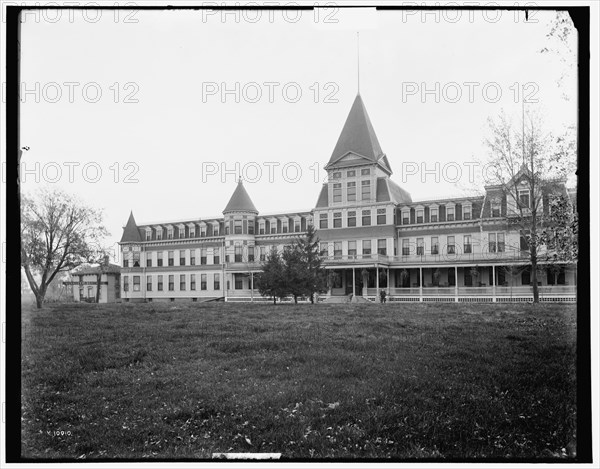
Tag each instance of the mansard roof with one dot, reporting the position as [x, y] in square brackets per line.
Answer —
[131, 233]
[323, 200]
[388, 191]
[358, 138]
[240, 201]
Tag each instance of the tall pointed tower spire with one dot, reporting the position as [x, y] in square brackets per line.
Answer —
[240, 200]
[131, 234]
[358, 62]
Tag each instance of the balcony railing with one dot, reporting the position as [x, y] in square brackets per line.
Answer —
[521, 290]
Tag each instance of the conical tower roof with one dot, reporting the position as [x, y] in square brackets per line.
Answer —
[131, 233]
[240, 201]
[358, 137]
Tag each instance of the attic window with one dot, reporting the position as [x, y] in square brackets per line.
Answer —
[365, 172]
[336, 175]
[351, 174]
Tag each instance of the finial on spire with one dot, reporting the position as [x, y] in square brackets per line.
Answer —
[358, 60]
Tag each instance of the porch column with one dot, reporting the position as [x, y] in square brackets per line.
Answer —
[376, 282]
[353, 282]
[388, 281]
[493, 283]
[251, 286]
[421, 284]
[456, 283]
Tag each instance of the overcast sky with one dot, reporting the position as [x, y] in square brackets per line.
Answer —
[158, 137]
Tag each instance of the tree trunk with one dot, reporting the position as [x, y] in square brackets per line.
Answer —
[274, 300]
[312, 298]
[296, 299]
[39, 300]
[536, 292]
[98, 278]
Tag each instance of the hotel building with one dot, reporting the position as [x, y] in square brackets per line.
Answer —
[372, 236]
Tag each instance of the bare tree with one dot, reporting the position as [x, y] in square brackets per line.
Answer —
[529, 166]
[58, 233]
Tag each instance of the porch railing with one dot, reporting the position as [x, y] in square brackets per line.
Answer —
[546, 290]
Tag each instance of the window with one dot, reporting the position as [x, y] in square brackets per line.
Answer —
[468, 277]
[217, 281]
[405, 247]
[182, 282]
[251, 227]
[182, 257]
[351, 249]
[136, 258]
[449, 213]
[226, 229]
[323, 221]
[495, 208]
[467, 244]
[125, 262]
[171, 282]
[203, 278]
[193, 231]
[337, 250]
[365, 172]
[216, 256]
[524, 201]
[136, 283]
[420, 215]
[297, 226]
[203, 256]
[202, 231]
[159, 284]
[435, 247]
[237, 227]
[496, 242]
[406, 217]
[159, 234]
[351, 188]
[366, 217]
[451, 247]
[337, 193]
[273, 226]
[323, 249]
[352, 218]
[420, 247]
[125, 283]
[284, 226]
[263, 255]
[215, 230]
[337, 219]
[149, 259]
[170, 233]
[148, 282]
[366, 190]
[250, 253]
[192, 281]
[159, 258]
[366, 248]
[466, 212]
[148, 235]
[525, 278]
[171, 257]
[239, 281]
[336, 175]
[381, 247]
[192, 257]
[351, 173]
[238, 253]
[261, 227]
[381, 218]
[433, 215]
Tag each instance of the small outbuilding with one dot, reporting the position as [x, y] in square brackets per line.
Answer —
[105, 276]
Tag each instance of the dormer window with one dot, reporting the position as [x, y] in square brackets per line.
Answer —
[405, 217]
[420, 215]
[159, 233]
[433, 214]
[261, 227]
[495, 208]
[524, 198]
[148, 234]
[466, 209]
[170, 233]
[450, 213]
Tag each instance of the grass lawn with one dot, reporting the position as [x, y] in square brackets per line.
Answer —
[179, 381]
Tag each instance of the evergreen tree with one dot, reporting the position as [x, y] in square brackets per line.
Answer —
[315, 278]
[272, 280]
[295, 271]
